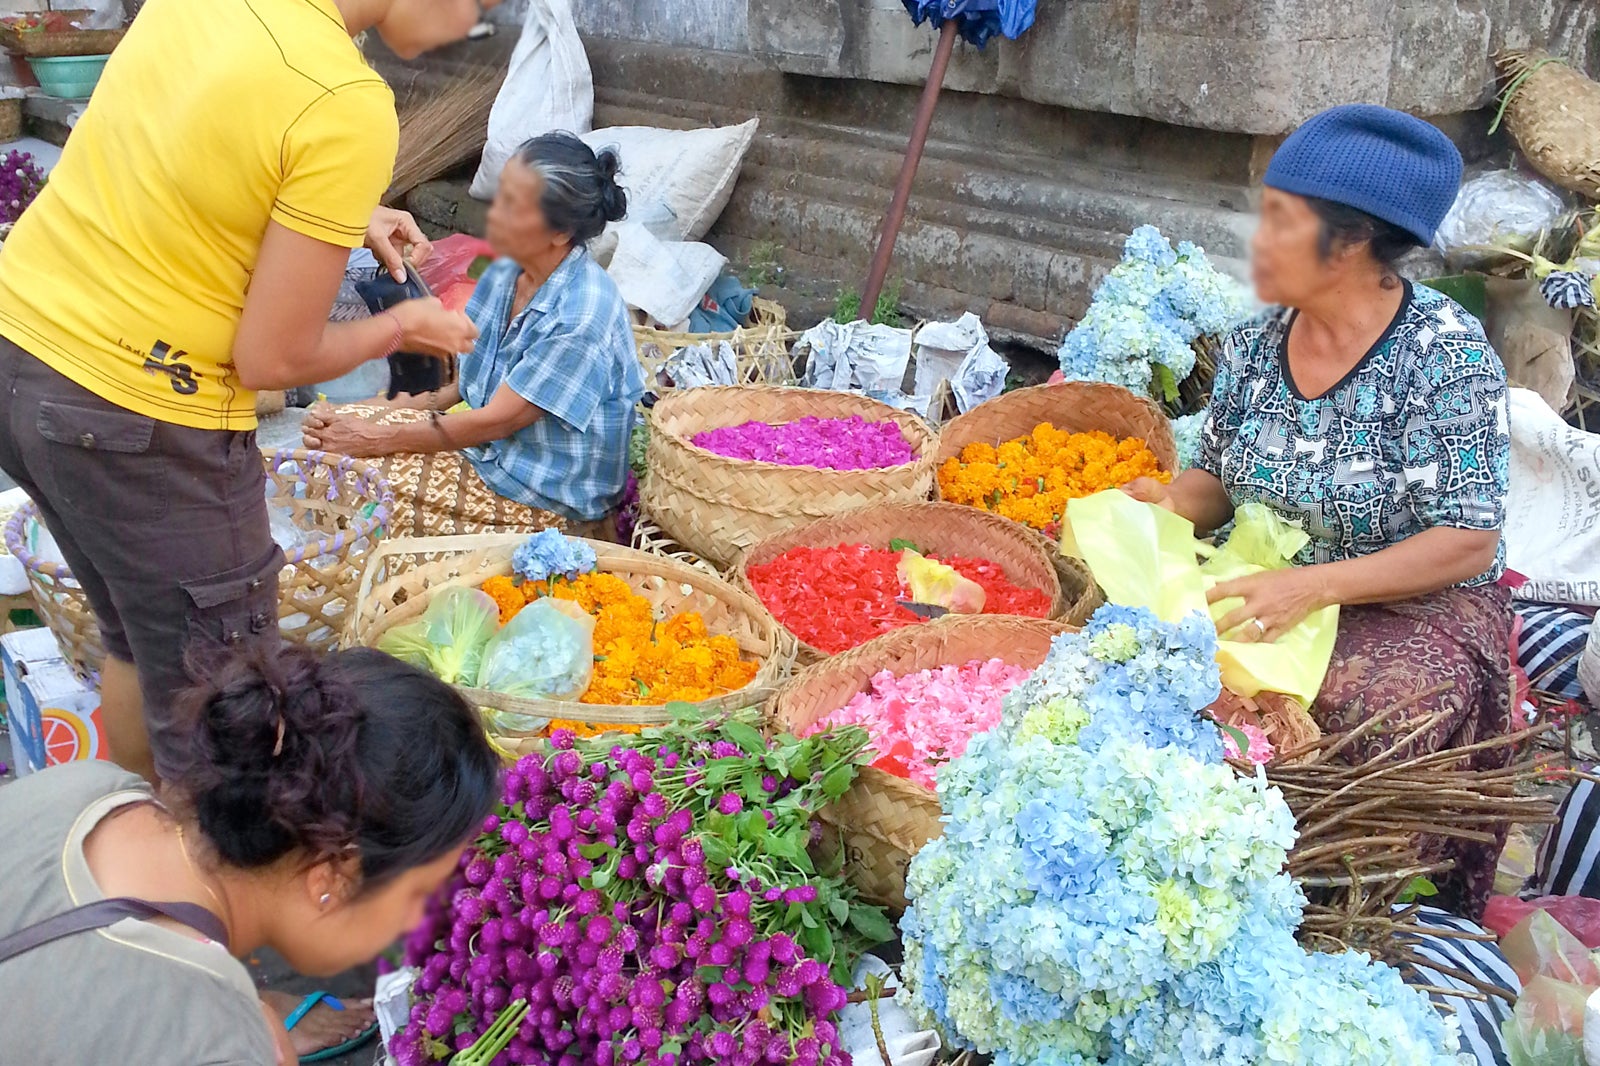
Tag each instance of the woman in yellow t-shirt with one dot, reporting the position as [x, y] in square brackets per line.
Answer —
[186, 252]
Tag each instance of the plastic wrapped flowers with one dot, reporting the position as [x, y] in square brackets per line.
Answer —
[1108, 891]
[651, 901]
[1141, 325]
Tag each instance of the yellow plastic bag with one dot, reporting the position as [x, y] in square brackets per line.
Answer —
[939, 585]
[1146, 556]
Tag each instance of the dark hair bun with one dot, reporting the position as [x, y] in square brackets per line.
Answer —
[284, 758]
[613, 198]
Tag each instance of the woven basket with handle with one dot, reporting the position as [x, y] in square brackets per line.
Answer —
[393, 595]
[761, 349]
[1553, 113]
[884, 820]
[942, 529]
[339, 503]
[717, 507]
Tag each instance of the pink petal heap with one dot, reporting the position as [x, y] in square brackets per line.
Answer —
[827, 443]
[919, 722]
[1260, 752]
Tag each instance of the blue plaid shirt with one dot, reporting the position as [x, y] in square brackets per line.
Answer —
[570, 353]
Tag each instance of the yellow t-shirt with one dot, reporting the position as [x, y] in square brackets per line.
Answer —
[128, 274]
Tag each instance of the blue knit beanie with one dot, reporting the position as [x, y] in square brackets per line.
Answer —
[1386, 163]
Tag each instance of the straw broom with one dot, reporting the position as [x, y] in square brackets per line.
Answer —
[444, 130]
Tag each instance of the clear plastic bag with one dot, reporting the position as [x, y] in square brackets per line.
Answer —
[545, 652]
[1547, 1027]
[450, 638]
[1578, 915]
[1540, 947]
[1500, 209]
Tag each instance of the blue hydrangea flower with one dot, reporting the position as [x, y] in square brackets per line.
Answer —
[549, 554]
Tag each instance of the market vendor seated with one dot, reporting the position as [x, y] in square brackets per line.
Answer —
[550, 388]
[1372, 412]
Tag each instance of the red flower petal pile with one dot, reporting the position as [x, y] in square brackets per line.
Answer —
[835, 599]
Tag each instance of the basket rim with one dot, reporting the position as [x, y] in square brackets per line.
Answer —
[15, 532]
[754, 693]
[926, 448]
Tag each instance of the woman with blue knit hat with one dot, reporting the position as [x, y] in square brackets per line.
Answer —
[1372, 413]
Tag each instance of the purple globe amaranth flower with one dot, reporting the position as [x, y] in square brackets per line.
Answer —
[479, 871]
[738, 932]
[654, 805]
[563, 739]
[513, 833]
[772, 895]
[566, 764]
[703, 899]
[720, 994]
[491, 823]
[730, 804]
[721, 953]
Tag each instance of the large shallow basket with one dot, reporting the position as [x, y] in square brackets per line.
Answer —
[942, 529]
[340, 505]
[760, 350]
[717, 507]
[884, 820]
[1553, 113]
[395, 591]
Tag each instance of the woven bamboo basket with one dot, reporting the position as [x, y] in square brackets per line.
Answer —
[1553, 113]
[44, 44]
[341, 504]
[938, 528]
[884, 820]
[393, 595]
[761, 349]
[717, 507]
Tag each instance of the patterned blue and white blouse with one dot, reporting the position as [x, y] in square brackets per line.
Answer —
[1415, 436]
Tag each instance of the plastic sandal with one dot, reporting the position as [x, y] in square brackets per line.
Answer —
[305, 1007]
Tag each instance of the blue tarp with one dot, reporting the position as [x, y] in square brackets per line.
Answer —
[980, 19]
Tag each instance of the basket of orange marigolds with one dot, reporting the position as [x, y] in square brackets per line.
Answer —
[554, 632]
[1025, 454]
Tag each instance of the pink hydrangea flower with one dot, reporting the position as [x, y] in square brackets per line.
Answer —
[1261, 750]
[827, 443]
[921, 721]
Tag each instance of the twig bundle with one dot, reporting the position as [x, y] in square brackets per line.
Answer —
[443, 130]
[1360, 826]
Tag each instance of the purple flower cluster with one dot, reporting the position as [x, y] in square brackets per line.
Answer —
[21, 180]
[634, 935]
[828, 443]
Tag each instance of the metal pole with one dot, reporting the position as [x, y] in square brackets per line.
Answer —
[896, 216]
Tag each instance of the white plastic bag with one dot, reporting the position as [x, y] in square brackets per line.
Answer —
[907, 1046]
[855, 357]
[1552, 530]
[690, 172]
[548, 87]
[664, 280]
[958, 352]
[1501, 208]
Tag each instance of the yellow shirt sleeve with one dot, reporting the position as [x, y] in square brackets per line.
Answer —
[338, 159]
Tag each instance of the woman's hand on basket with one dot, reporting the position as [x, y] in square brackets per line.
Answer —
[324, 430]
[1275, 601]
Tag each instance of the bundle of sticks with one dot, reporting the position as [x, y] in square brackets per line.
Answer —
[442, 128]
[1363, 827]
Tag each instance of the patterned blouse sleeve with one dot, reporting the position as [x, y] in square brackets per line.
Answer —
[1456, 438]
[1226, 410]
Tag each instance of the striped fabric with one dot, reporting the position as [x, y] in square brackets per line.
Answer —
[1480, 1021]
[1549, 647]
[1571, 850]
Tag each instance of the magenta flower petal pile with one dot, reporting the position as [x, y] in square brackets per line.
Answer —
[826, 443]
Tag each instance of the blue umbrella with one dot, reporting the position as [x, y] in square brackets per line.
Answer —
[976, 21]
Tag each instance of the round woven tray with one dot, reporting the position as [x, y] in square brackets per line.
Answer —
[339, 502]
[942, 529]
[1553, 113]
[717, 507]
[393, 595]
[884, 820]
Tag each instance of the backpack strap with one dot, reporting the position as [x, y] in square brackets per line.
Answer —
[107, 912]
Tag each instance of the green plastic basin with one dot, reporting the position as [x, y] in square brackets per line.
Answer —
[68, 77]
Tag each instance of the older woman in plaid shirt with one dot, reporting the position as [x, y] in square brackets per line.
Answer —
[538, 424]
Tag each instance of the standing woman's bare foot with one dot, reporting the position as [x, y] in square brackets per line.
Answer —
[322, 1027]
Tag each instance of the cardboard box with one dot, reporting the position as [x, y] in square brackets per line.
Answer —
[53, 717]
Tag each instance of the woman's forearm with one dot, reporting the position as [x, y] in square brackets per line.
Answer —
[1201, 498]
[464, 429]
[1429, 561]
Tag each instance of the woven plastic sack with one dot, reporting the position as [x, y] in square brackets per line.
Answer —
[1145, 556]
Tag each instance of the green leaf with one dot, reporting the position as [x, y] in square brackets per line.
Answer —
[747, 737]
[752, 826]
[716, 851]
[793, 915]
[750, 785]
[1419, 888]
[600, 878]
[709, 975]
[818, 943]
[594, 851]
[899, 544]
[836, 782]
[807, 919]
[871, 923]
[840, 910]
[1239, 738]
[1165, 383]
[782, 846]
[478, 266]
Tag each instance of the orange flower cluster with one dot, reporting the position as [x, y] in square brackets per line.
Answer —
[638, 661]
[1030, 479]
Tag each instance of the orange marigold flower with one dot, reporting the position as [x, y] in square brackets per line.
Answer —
[506, 595]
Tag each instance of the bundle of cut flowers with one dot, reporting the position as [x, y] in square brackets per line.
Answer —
[1030, 479]
[839, 597]
[918, 722]
[21, 181]
[827, 443]
[652, 900]
[1107, 890]
[1147, 314]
